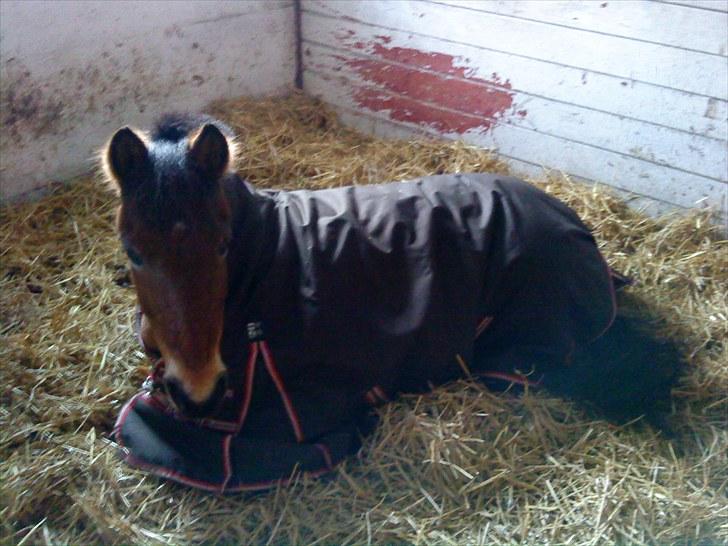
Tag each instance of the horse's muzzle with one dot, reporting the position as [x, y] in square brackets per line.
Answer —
[195, 410]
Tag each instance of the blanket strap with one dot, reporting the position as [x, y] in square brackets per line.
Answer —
[258, 345]
[273, 371]
[518, 379]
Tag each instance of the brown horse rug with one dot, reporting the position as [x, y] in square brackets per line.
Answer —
[339, 299]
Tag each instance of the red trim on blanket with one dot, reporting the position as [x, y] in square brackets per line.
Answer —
[380, 393]
[158, 404]
[512, 378]
[273, 371]
[482, 325]
[326, 454]
[224, 426]
[123, 415]
[376, 396]
[613, 295]
[284, 482]
[247, 397]
[172, 475]
[503, 376]
[226, 465]
[211, 487]
[155, 469]
[214, 487]
[249, 376]
[215, 424]
[624, 279]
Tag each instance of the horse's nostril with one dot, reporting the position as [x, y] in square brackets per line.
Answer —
[222, 383]
[178, 396]
[188, 407]
[218, 393]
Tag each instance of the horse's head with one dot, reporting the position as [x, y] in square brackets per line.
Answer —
[174, 223]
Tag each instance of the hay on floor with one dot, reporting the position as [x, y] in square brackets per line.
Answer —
[458, 466]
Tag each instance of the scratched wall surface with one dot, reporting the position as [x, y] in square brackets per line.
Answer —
[629, 93]
[72, 72]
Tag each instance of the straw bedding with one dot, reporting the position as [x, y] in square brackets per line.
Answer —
[458, 466]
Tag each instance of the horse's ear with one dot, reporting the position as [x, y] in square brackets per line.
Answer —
[126, 159]
[210, 152]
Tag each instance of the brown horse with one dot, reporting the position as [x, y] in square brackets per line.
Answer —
[361, 288]
[174, 223]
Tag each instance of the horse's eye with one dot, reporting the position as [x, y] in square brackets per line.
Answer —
[134, 256]
[222, 250]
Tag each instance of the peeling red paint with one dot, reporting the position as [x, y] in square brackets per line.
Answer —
[430, 90]
[466, 96]
[407, 110]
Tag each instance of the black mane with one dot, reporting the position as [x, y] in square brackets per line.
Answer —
[174, 126]
[174, 189]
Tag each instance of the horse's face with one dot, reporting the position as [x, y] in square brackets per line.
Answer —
[174, 223]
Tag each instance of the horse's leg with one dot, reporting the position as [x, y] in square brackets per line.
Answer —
[531, 331]
[625, 373]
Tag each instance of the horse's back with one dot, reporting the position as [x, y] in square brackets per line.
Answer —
[415, 266]
[473, 211]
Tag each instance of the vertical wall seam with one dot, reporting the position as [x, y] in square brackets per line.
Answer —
[299, 43]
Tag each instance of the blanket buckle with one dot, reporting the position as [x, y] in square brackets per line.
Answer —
[255, 331]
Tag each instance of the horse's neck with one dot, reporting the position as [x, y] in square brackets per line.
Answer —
[254, 234]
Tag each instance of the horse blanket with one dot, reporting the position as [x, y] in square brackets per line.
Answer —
[345, 297]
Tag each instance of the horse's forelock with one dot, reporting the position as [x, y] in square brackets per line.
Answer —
[174, 190]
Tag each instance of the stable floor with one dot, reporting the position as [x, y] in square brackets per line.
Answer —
[461, 465]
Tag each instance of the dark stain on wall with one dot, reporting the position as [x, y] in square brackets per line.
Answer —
[26, 105]
[121, 79]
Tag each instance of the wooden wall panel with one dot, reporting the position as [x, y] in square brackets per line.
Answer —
[629, 96]
[691, 29]
[623, 171]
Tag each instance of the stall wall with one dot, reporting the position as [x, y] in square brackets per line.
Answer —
[628, 93]
[72, 72]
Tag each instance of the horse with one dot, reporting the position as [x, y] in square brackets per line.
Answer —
[175, 224]
[343, 298]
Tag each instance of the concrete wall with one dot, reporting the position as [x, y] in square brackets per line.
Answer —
[71, 72]
[629, 93]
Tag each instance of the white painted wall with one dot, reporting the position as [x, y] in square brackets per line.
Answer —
[71, 72]
[629, 93]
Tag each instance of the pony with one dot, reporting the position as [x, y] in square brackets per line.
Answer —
[349, 296]
[175, 226]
